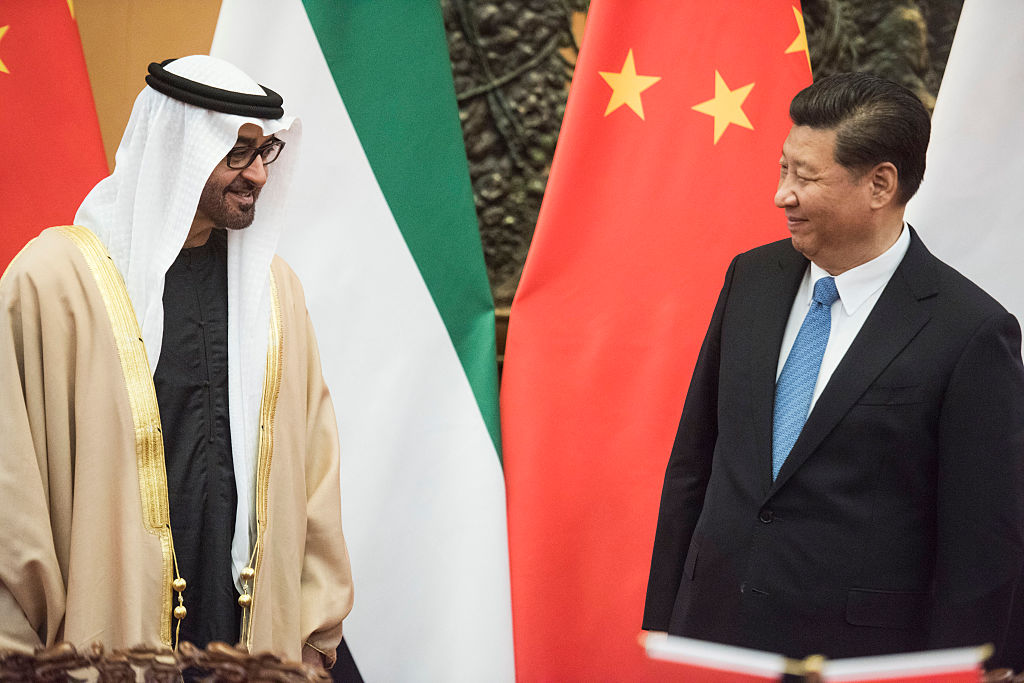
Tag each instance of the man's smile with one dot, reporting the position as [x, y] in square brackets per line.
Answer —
[244, 194]
[794, 222]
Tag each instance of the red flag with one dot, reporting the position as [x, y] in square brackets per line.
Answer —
[665, 169]
[53, 153]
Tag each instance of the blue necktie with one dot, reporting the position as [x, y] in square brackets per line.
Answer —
[795, 387]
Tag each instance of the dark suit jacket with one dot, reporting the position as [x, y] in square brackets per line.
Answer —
[897, 522]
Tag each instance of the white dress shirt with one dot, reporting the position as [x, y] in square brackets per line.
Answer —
[859, 289]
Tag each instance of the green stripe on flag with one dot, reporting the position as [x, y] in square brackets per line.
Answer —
[395, 80]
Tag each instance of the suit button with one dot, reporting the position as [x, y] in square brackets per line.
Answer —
[766, 516]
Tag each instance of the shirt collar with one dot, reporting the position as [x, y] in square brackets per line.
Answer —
[856, 285]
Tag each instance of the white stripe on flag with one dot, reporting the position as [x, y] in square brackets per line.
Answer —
[423, 495]
[968, 210]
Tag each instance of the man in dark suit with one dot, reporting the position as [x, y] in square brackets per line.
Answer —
[848, 474]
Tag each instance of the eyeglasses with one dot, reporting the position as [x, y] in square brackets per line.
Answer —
[241, 157]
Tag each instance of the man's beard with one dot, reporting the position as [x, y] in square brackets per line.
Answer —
[214, 203]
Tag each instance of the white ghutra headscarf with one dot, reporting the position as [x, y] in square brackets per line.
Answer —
[142, 213]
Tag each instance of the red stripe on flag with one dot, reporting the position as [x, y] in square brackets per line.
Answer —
[640, 219]
[53, 153]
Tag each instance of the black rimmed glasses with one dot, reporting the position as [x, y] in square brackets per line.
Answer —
[241, 157]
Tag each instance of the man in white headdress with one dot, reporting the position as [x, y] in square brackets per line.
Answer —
[169, 458]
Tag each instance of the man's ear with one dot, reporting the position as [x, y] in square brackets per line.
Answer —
[884, 180]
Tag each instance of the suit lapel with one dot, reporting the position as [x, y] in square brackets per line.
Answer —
[773, 301]
[896, 318]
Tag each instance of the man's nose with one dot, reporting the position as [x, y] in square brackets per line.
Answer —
[256, 172]
[784, 196]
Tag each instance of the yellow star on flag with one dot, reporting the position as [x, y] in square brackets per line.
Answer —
[3, 67]
[726, 107]
[799, 43]
[627, 86]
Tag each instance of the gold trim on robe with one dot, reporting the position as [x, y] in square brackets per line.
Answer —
[268, 409]
[91, 559]
[149, 445]
[138, 378]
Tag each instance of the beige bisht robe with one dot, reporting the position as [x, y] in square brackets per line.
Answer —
[85, 544]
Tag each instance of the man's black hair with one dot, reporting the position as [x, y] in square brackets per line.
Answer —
[875, 120]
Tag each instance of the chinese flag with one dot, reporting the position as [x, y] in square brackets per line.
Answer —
[52, 150]
[666, 168]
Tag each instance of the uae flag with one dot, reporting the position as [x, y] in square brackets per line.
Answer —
[666, 167]
[53, 153]
[383, 234]
[968, 209]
